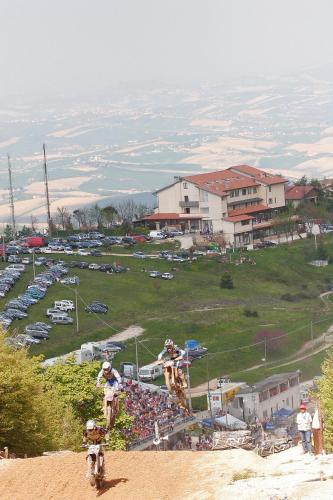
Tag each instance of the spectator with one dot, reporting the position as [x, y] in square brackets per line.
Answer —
[304, 421]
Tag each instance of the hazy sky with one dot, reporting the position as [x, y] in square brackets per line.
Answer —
[48, 45]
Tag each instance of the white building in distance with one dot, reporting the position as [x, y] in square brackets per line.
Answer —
[238, 202]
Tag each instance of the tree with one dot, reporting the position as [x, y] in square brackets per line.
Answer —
[76, 385]
[325, 389]
[32, 419]
[63, 218]
[110, 215]
[8, 232]
[79, 216]
[303, 181]
[127, 210]
[33, 223]
[226, 280]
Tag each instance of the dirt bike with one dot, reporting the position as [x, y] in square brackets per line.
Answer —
[111, 406]
[96, 464]
[174, 382]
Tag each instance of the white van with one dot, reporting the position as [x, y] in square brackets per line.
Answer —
[158, 235]
[64, 305]
[16, 267]
[150, 372]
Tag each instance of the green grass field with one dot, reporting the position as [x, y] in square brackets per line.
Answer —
[193, 305]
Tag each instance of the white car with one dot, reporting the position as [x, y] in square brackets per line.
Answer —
[68, 251]
[83, 252]
[167, 276]
[154, 274]
[46, 250]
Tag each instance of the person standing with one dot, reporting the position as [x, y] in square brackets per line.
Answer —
[304, 421]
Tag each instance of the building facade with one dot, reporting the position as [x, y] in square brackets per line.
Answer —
[268, 396]
[239, 202]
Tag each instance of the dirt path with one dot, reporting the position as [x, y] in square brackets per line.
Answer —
[129, 333]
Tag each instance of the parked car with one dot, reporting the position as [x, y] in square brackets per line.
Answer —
[15, 314]
[35, 332]
[106, 268]
[167, 276]
[41, 324]
[96, 308]
[96, 253]
[140, 255]
[53, 310]
[68, 251]
[94, 266]
[83, 252]
[60, 319]
[155, 274]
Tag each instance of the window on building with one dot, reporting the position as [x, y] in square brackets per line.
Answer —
[270, 201]
[274, 200]
[204, 210]
[187, 210]
[273, 391]
[249, 191]
[254, 190]
[243, 192]
[245, 222]
[186, 198]
[270, 189]
[224, 214]
[293, 382]
[236, 192]
[263, 396]
[284, 386]
[185, 186]
[232, 194]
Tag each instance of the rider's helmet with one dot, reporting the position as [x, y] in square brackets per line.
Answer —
[302, 406]
[90, 425]
[106, 365]
[169, 343]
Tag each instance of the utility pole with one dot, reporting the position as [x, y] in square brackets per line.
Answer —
[136, 357]
[3, 246]
[46, 182]
[33, 262]
[11, 196]
[311, 334]
[188, 383]
[77, 312]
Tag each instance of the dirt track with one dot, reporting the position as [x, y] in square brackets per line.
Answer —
[172, 475]
[134, 475]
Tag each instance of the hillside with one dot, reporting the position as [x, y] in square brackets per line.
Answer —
[172, 476]
[282, 289]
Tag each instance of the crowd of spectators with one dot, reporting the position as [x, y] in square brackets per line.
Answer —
[148, 407]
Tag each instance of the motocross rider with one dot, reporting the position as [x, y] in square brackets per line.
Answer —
[172, 352]
[93, 433]
[112, 379]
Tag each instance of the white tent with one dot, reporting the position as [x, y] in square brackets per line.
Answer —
[230, 422]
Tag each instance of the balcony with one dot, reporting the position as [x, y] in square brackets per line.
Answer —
[189, 204]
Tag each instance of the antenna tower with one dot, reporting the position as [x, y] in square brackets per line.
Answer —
[49, 222]
[11, 197]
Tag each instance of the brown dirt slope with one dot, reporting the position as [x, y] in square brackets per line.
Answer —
[172, 475]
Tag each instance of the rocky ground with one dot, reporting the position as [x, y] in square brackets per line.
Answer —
[172, 475]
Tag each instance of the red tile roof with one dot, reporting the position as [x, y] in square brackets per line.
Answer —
[298, 192]
[238, 218]
[248, 210]
[237, 177]
[259, 175]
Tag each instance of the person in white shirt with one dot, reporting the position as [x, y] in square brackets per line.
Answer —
[304, 421]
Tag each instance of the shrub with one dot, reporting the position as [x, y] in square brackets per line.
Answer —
[275, 340]
[226, 281]
[249, 313]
